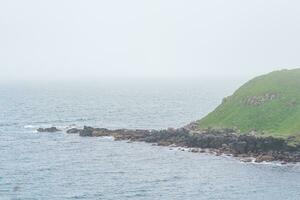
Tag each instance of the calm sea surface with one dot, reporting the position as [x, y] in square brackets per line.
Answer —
[60, 166]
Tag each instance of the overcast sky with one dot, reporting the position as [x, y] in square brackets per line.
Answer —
[95, 39]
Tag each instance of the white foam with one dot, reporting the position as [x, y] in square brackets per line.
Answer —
[29, 126]
[107, 138]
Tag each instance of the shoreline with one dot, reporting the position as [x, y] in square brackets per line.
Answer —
[247, 148]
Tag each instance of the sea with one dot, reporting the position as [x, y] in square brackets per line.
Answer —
[55, 166]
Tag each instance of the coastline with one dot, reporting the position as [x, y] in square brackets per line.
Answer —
[247, 147]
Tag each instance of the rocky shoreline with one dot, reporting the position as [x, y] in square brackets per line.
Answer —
[221, 141]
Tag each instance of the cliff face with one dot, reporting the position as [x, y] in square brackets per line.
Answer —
[268, 105]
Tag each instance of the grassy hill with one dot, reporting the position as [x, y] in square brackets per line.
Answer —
[268, 104]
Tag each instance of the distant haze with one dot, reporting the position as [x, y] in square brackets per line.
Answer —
[95, 39]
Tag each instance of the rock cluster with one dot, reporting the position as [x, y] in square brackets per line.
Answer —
[221, 141]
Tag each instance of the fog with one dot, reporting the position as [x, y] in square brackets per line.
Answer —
[117, 39]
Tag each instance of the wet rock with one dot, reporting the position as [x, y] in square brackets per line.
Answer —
[264, 158]
[86, 131]
[73, 130]
[48, 130]
[164, 143]
[194, 150]
[247, 159]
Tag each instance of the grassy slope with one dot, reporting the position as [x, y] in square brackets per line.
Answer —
[279, 117]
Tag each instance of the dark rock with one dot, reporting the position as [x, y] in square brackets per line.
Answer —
[73, 130]
[86, 131]
[194, 150]
[239, 147]
[225, 146]
[219, 141]
[49, 130]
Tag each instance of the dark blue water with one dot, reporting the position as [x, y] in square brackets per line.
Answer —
[61, 166]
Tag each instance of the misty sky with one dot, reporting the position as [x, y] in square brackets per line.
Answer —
[96, 39]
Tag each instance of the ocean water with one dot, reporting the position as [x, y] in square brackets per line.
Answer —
[62, 166]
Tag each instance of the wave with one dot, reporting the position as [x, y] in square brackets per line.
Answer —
[29, 126]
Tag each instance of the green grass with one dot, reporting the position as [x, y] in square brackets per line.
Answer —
[279, 117]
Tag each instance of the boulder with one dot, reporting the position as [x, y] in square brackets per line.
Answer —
[86, 131]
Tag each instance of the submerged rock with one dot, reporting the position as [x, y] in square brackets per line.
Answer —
[49, 130]
[73, 130]
[247, 159]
